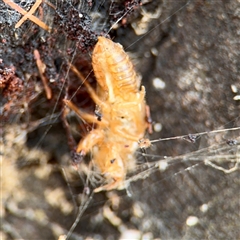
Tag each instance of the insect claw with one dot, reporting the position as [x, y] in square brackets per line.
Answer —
[98, 115]
[86, 190]
[76, 157]
[82, 153]
[144, 143]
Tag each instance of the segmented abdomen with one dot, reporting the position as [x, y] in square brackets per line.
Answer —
[113, 68]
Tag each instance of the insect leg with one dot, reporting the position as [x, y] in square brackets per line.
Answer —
[149, 119]
[90, 90]
[70, 139]
[85, 116]
[117, 183]
[92, 139]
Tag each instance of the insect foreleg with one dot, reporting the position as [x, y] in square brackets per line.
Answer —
[92, 139]
[90, 90]
[117, 183]
[85, 116]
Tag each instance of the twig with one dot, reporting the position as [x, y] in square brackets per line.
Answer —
[41, 68]
[27, 14]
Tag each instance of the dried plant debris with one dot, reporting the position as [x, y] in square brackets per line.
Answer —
[11, 88]
[9, 15]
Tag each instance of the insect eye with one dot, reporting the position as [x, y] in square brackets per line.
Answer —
[112, 161]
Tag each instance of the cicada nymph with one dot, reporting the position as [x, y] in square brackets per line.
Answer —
[121, 119]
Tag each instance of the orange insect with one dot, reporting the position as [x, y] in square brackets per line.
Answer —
[121, 119]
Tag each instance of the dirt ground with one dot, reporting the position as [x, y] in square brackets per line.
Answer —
[187, 53]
